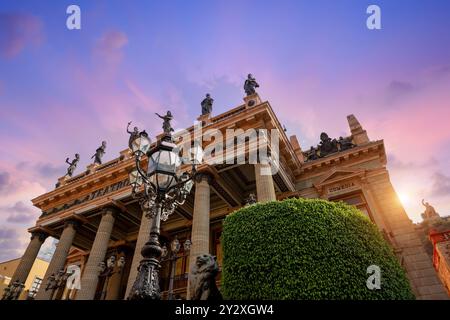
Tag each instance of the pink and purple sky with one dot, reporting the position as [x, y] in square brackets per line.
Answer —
[63, 91]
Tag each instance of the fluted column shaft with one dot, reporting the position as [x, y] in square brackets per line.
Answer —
[28, 258]
[200, 221]
[143, 235]
[89, 279]
[59, 258]
[265, 189]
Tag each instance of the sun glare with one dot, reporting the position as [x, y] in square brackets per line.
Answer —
[403, 197]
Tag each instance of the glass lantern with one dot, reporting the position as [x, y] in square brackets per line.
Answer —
[135, 179]
[196, 154]
[141, 144]
[163, 163]
[187, 187]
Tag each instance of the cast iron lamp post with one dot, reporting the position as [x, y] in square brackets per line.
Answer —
[164, 188]
[173, 257]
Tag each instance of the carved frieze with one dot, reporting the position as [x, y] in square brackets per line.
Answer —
[91, 196]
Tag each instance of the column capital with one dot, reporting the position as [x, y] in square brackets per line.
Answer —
[111, 210]
[41, 235]
[201, 176]
[75, 224]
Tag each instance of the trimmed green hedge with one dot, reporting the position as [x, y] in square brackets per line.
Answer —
[306, 249]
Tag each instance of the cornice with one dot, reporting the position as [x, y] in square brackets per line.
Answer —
[343, 156]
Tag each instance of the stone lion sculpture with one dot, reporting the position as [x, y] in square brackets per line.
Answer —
[202, 284]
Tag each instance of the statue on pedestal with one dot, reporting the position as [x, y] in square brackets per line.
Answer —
[311, 154]
[207, 104]
[167, 127]
[346, 143]
[250, 85]
[327, 145]
[429, 212]
[72, 165]
[133, 134]
[99, 153]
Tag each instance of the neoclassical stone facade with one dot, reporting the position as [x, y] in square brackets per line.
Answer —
[94, 215]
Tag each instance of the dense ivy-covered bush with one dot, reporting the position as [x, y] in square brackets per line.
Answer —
[306, 249]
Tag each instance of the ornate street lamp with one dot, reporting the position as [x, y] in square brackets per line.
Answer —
[173, 257]
[164, 188]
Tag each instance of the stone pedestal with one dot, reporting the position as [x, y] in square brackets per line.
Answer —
[91, 272]
[252, 100]
[265, 190]
[59, 257]
[92, 168]
[126, 154]
[200, 220]
[205, 119]
[61, 181]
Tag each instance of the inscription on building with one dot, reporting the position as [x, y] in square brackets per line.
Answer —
[91, 196]
[341, 187]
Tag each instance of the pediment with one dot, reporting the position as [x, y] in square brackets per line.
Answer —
[338, 174]
[75, 252]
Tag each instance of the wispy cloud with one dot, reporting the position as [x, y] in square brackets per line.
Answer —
[10, 247]
[4, 180]
[110, 46]
[17, 31]
[441, 185]
[45, 170]
[20, 213]
[398, 89]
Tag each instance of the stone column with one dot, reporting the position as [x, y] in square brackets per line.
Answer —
[27, 260]
[89, 280]
[143, 236]
[59, 257]
[200, 221]
[265, 190]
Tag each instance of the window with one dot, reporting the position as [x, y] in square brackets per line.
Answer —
[35, 287]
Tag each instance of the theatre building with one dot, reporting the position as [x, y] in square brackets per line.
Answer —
[94, 215]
